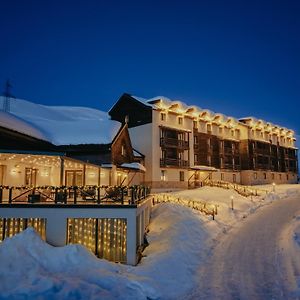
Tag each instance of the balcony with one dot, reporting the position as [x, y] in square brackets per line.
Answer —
[173, 142]
[173, 162]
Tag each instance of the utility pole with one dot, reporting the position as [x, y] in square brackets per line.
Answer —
[7, 96]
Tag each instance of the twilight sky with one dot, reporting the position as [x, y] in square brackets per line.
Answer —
[240, 58]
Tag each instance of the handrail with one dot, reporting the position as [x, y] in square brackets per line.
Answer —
[130, 195]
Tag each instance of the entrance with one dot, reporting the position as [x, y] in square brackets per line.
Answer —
[74, 178]
[30, 176]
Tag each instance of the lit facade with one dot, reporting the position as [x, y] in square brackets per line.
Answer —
[186, 145]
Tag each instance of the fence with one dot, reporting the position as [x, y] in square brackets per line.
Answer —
[243, 190]
[203, 207]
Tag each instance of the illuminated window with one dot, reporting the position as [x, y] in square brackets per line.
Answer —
[163, 175]
[163, 116]
[123, 150]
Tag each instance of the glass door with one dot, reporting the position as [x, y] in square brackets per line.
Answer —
[74, 178]
[30, 176]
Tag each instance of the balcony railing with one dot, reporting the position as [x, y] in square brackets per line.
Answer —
[173, 162]
[172, 142]
[117, 195]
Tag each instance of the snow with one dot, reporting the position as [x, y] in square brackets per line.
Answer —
[134, 166]
[12, 122]
[203, 168]
[61, 125]
[181, 241]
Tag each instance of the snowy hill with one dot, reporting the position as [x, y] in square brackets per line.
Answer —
[60, 125]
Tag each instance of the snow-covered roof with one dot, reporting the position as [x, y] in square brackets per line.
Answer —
[12, 122]
[60, 125]
[203, 168]
[134, 166]
[164, 103]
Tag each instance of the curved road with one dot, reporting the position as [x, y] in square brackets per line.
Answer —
[246, 263]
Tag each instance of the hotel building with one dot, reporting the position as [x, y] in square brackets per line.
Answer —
[184, 146]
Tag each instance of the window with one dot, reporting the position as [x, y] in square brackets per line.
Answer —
[265, 175]
[255, 175]
[195, 124]
[232, 133]
[123, 150]
[279, 176]
[273, 176]
[163, 175]
[196, 158]
[180, 120]
[163, 116]
[181, 175]
[208, 128]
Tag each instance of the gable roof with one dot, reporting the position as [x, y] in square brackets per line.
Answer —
[60, 125]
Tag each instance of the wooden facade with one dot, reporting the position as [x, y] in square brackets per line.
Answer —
[258, 155]
[174, 148]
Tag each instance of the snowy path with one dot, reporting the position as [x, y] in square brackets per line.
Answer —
[247, 262]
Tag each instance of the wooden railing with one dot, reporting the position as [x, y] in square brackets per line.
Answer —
[173, 162]
[243, 190]
[166, 141]
[74, 194]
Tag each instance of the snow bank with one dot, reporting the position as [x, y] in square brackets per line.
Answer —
[30, 268]
[63, 125]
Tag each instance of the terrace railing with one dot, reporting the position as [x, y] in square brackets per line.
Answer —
[122, 195]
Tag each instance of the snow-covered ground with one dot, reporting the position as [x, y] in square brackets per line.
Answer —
[181, 240]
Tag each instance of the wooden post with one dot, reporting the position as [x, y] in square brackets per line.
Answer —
[84, 170]
[62, 165]
[10, 195]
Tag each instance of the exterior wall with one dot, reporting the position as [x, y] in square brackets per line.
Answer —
[14, 174]
[142, 139]
[251, 177]
[56, 221]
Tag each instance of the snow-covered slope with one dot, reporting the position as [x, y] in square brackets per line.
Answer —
[60, 125]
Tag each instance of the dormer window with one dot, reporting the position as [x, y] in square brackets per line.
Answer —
[162, 116]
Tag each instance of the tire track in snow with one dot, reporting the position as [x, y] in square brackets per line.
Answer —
[246, 262]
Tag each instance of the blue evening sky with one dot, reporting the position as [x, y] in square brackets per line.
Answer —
[240, 58]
